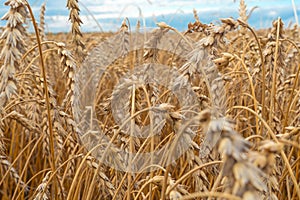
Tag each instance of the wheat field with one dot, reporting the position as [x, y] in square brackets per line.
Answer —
[209, 113]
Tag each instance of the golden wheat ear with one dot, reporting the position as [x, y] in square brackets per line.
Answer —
[74, 17]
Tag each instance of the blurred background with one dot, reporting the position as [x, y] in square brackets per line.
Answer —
[107, 15]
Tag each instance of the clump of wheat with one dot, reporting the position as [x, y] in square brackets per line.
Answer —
[243, 125]
[13, 37]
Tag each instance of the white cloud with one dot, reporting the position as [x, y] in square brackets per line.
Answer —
[58, 22]
[272, 13]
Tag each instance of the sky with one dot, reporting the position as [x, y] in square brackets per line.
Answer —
[107, 15]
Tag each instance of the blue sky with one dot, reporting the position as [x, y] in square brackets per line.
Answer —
[110, 13]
